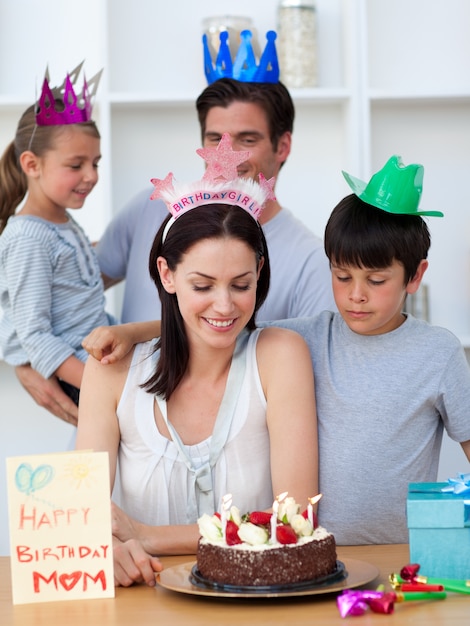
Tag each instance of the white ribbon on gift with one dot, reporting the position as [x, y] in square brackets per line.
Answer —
[459, 486]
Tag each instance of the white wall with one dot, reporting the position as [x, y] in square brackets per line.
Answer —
[25, 428]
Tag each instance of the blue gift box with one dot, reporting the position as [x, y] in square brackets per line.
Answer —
[439, 529]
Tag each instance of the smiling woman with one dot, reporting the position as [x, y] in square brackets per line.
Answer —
[201, 412]
[219, 283]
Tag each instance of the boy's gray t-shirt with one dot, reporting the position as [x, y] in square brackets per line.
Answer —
[382, 403]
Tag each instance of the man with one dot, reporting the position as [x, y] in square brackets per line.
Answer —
[259, 117]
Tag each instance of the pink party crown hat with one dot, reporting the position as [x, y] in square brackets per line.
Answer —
[244, 67]
[75, 109]
[219, 185]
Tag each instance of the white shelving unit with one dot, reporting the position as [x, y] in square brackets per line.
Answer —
[393, 79]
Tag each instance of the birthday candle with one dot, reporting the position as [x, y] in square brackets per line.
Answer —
[274, 516]
[274, 521]
[311, 502]
[225, 507]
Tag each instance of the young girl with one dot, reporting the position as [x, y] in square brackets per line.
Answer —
[51, 291]
[215, 406]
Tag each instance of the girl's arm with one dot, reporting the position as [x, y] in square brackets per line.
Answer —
[109, 344]
[286, 372]
[28, 272]
[71, 370]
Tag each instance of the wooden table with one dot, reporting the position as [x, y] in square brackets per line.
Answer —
[144, 606]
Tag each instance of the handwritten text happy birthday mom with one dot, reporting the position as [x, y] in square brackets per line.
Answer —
[30, 518]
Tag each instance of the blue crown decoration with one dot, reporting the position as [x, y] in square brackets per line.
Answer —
[244, 66]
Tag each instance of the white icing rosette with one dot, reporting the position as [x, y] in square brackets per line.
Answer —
[302, 526]
[235, 516]
[287, 509]
[252, 534]
[210, 527]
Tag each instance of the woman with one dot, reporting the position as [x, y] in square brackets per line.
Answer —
[212, 407]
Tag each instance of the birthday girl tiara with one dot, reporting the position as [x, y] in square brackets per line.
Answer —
[75, 109]
[219, 185]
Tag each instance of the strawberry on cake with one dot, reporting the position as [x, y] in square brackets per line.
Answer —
[243, 551]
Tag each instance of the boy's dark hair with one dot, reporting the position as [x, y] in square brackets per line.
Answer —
[273, 98]
[360, 235]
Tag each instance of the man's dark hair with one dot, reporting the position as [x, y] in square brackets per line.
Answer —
[273, 98]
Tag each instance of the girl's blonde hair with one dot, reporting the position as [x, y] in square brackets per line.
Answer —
[37, 139]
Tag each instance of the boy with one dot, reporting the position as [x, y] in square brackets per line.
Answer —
[386, 383]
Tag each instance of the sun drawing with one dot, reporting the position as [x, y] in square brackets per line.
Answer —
[80, 472]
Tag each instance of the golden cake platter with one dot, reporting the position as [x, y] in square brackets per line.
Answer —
[185, 578]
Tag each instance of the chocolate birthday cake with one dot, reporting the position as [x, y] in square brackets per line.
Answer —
[242, 550]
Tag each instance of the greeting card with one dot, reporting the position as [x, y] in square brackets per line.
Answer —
[60, 527]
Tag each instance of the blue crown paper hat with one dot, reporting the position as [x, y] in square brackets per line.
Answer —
[244, 67]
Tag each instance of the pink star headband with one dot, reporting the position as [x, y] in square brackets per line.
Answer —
[219, 185]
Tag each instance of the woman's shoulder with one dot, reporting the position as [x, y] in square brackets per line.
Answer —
[275, 340]
[281, 354]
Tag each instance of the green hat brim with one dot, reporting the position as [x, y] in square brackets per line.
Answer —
[359, 189]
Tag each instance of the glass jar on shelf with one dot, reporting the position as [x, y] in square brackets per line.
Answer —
[297, 43]
[234, 25]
